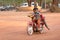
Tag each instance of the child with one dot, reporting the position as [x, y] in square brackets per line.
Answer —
[37, 18]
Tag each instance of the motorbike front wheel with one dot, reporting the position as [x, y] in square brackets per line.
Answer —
[29, 30]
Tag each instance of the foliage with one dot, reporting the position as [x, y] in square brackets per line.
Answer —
[7, 2]
[17, 2]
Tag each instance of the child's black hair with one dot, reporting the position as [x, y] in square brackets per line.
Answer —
[35, 9]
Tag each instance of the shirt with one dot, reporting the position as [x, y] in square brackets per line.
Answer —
[36, 15]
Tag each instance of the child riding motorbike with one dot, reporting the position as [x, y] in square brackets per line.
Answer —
[37, 17]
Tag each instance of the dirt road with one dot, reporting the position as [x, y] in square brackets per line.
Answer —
[13, 26]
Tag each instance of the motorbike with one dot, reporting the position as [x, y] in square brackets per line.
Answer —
[32, 27]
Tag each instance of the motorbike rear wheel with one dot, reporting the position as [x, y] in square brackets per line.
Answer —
[41, 29]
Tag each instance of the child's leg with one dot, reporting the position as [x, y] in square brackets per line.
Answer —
[38, 24]
[45, 24]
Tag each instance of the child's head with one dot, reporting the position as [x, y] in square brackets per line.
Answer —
[35, 9]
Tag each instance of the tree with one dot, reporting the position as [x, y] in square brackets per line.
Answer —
[40, 2]
[35, 4]
[29, 2]
[55, 2]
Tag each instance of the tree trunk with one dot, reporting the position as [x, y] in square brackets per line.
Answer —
[40, 2]
[29, 3]
[35, 4]
[55, 2]
[54, 7]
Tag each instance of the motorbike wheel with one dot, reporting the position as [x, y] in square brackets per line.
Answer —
[41, 29]
[29, 30]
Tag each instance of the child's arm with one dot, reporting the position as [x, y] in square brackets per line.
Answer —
[42, 17]
[31, 15]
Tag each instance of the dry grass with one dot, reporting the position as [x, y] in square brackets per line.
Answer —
[27, 8]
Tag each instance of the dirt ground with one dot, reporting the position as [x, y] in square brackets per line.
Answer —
[13, 26]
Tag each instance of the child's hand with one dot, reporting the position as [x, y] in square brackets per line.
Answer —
[48, 28]
[30, 16]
